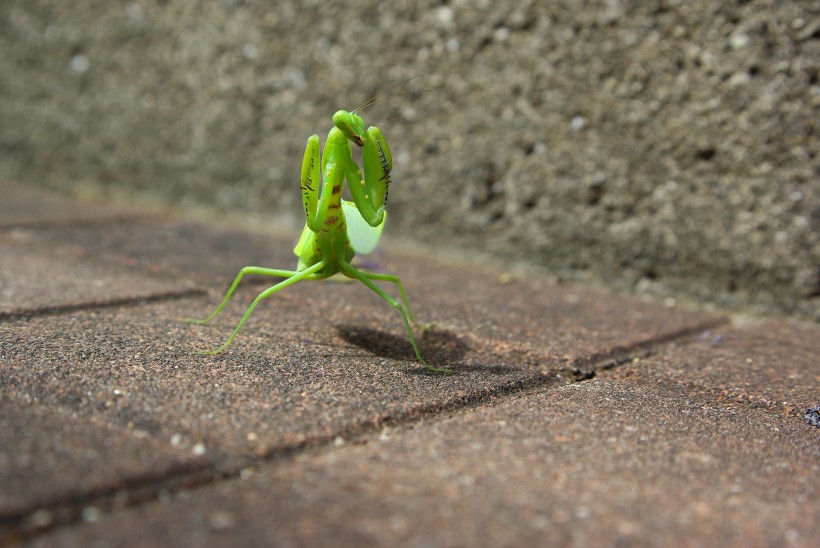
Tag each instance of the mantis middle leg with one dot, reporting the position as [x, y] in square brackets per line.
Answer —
[246, 270]
[292, 279]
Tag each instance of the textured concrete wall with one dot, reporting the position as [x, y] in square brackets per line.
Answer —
[665, 146]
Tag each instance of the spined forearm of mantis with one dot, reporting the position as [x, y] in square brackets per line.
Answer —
[336, 229]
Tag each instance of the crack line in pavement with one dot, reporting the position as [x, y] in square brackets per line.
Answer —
[94, 305]
[131, 492]
[80, 222]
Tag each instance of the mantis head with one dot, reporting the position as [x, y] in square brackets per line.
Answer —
[351, 125]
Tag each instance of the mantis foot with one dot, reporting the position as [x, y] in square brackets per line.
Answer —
[195, 321]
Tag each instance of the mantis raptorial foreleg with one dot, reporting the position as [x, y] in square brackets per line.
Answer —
[370, 193]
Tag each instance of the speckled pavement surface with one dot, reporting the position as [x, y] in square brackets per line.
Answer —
[573, 416]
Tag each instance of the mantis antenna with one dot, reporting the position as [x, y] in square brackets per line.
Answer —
[376, 99]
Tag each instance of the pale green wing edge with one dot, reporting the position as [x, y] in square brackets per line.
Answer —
[363, 237]
[304, 240]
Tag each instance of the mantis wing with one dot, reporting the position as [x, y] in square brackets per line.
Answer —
[363, 237]
[303, 242]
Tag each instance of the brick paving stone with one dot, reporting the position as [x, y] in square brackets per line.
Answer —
[310, 366]
[45, 265]
[764, 365]
[48, 455]
[599, 462]
[36, 276]
[23, 206]
[101, 233]
[209, 254]
[540, 322]
[305, 367]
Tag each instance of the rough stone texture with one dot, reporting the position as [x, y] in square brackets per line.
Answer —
[50, 456]
[761, 366]
[311, 364]
[35, 278]
[182, 252]
[665, 147]
[26, 207]
[604, 462]
[573, 416]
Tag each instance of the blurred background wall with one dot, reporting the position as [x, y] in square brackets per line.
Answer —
[667, 147]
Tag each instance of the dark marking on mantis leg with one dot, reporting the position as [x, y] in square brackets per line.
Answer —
[385, 169]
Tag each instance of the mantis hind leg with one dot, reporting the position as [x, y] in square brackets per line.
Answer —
[292, 279]
[366, 278]
[235, 284]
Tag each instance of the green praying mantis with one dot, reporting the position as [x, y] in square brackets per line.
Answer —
[335, 229]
